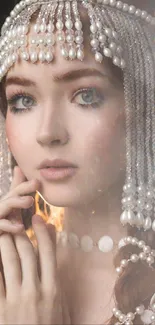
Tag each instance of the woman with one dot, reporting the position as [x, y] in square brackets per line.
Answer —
[77, 144]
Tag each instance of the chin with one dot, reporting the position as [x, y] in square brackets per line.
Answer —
[60, 195]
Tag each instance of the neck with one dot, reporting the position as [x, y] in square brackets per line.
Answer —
[96, 219]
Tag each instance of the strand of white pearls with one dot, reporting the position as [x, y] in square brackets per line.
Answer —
[113, 3]
[130, 9]
[147, 315]
[141, 201]
[105, 244]
[147, 254]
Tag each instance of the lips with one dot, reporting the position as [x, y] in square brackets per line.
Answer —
[56, 163]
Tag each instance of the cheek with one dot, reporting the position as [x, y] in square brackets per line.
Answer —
[17, 137]
[107, 139]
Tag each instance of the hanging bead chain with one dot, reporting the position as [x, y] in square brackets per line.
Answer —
[79, 32]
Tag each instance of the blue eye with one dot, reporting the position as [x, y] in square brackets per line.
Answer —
[89, 97]
[21, 102]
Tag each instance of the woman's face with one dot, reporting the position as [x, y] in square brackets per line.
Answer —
[72, 111]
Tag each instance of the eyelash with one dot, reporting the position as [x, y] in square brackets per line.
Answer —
[19, 95]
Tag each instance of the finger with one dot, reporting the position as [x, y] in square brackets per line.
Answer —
[24, 188]
[47, 255]
[8, 226]
[18, 177]
[28, 259]
[7, 205]
[11, 265]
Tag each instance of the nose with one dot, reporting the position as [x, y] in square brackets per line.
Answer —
[52, 129]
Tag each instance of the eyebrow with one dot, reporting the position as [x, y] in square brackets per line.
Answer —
[67, 76]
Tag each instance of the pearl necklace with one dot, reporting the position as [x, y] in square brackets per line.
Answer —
[105, 244]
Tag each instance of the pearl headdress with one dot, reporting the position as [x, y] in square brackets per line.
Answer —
[126, 35]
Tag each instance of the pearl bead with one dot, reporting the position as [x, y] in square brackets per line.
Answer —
[118, 313]
[99, 24]
[94, 43]
[134, 258]
[138, 12]
[33, 57]
[14, 57]
[107, 52]
[86, 243]
[70, 38]
[36, 28]
[108, 32]
[93, 28]
[124, 263]
[8, 20]
[119, 5]
[146, 249]
[64, 53]
[79, 39]
[49, 56]
[125, 7]
[50, 28]
[69, 24]
[118, 270]
[43, 28]
[142, 256]
[148, 18]
[78, 25]
[59, 25]
[130, 316]
[150, 260]
[140, 309]
[132, 9]
[25, 56]
[74, 240]
[112, 3]
[61, 38]
[105, 244]
[123, 64]
[102, 38]
[147, 223]
[122, 318]
[116, 61]
[144, 14]
[80, 55]
[153, 318]
[128, 240]
[72, 53]
[113, 46]
[41, 56]
[114, 310]
[13, 14]
[134, 241]
[139, 219]
[98, 57]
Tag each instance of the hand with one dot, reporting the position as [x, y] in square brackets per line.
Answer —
[16, 199]
[30, 298]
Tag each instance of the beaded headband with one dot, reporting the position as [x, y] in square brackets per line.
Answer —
[64, 18]
[126, 36]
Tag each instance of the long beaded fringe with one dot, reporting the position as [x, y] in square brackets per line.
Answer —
[124, 34]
